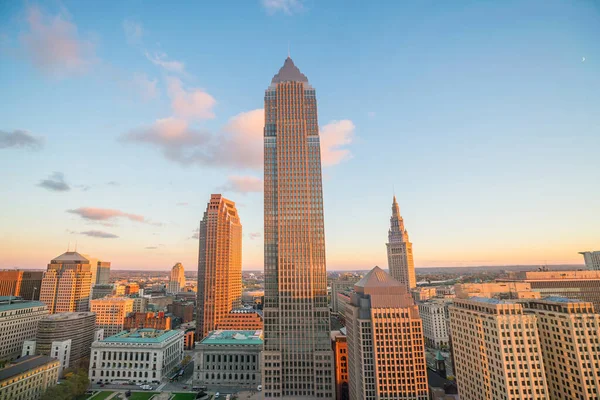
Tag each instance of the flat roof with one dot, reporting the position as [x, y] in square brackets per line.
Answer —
[558, 299]
[68, 315]
[141, 336]
[17, 303]
[233, 337]
[24, 364]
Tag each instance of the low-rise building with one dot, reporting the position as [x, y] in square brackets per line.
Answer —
[423, 293]
[138, 356]
[28, 378]
[229, 359]
[140, 304]
[501, 290]
[242, 319]
[18, 322]
[342, 284]
[147, 320]
[182, 309]
[435, 316]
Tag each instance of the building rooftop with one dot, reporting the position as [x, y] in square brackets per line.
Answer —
[8, 303]
[141, 336]
[558, 299]
[221, 337]
[24, 364]
[488, 300]
[289, 73]
[70, 257]
[377, 278]
[68, 315]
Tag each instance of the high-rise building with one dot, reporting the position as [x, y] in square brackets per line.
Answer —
[592, 259]
[242, 319]
[18, 322]
[183, 310]
[434, 314]
[579, 285]
[569, 332]
[340, 350]
[297, 353]
[67, 284]
[399, 250]
[343, 283]
[111, 313]
[102, 273]
[386, 350]
[103, 290]
[177, 281]
[496, 349]
[28, 377]
[25, 284]
[219, 264]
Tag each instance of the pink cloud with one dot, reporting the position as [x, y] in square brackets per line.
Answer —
[54, 46]
[243, 184]
[192, 104]
[162, 61]
[334, 136]
[104, 214]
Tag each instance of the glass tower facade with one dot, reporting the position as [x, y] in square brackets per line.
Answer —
[297, 356]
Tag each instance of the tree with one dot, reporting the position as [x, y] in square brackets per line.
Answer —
[185, 360]
[75, 384]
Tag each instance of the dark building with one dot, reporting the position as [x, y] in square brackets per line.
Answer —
[182, 310]
[25, 284]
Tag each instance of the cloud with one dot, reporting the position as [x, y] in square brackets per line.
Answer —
[53, 44]
[55, 182]
[146, 87]
[196, 234]
[113, 183]
[192, 104]
[182, 204]
[243, 184]
[161, 59]
[20, 139]
[334, 136]
[285, 6]
[105, 214]
[151, 247]
[100, 234]
[133, 31]
[254, 235]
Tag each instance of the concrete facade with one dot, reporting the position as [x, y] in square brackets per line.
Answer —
[28, 378]
[111, 313]
[435, 316]
[401, 262]
[18, 322]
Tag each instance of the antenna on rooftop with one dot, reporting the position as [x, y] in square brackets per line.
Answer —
[289, 49]
[68, 247]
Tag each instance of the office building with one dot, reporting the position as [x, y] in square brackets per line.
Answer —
[140, 304]
[67, 284]
[111, 313]
[229, 359]
[24, 284]
[148, 320]
[219, 264]
[297, 353]
[132, 288]
[28, 378]
[102, 290]
[399, 250]
[177, 281]
[496, 350]
[340, 352]
[184, 310]
[423, 293]
[569, 332]
[579, 285]
[242, 319]
[435, 316]
[386, 351]
[501, 290]
[60, 350]
[140, 356]
[18, 322]
[102, 273]
[591, 259]
[342, 284]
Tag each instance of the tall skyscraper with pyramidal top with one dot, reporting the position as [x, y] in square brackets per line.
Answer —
[297, 356]
[400, 251]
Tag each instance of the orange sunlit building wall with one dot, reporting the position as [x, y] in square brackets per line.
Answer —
[242, 320]
[66, 285]
[340, 351]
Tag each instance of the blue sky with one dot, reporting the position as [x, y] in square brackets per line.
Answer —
[121, 118]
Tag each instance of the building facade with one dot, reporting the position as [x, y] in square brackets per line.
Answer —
[18, 322]
[496, 351]
[147, 320]
[67, 283]
[177, 281]
[102, 273]
[140, 356]
[242, 319]
[569, 332]
[503, 290]
[435, 316]
[219, 264]
[184, 310]
[591, 259]
[386, 350]
[140, 304]
[342, 284]
[297, 352]
[423, 293]
[28, 378]
[24, 284]
[103, 290]
[111, 313]
[399, 250]
[340, 351]
[131, 289]
[229, 359]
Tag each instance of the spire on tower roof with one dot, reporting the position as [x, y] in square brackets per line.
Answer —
[289, 73]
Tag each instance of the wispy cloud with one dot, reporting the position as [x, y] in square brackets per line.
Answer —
[288, 7]
[254, 235]
[161, 59]
[55, 182]
[243, 184]
[189, 104]
[133, 31]
[335, 136]
[196, 234]
[54, 46]
[105, 214]
[100, 234]
[20, 139]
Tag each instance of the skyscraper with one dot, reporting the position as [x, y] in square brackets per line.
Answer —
[102, 273]
[67, 283]
[177, 281]
[592, 259]
[219, 264]
[25, 284]
[399, 250]
[386, 351]
[298, 359]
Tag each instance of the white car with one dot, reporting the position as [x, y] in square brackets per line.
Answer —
[217, 395]
[259, 388]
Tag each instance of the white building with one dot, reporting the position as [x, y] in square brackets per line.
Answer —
[435, 316]
[60, 350]
[18, 322]
[592, 259]
[138, 356]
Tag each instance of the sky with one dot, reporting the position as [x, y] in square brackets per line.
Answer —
[119, 119]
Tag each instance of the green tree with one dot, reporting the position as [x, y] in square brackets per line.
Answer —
[75, 384]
